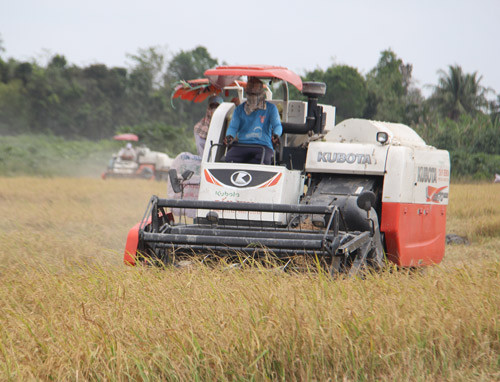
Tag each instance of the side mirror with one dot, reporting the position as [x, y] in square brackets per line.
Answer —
[174, 180]
[186, 175]
[366, 200]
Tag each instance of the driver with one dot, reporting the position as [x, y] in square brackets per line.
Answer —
[128, 153]
[254, 122]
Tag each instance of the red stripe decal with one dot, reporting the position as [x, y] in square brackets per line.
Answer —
[210, 178]
[272, 182]
[207, 177]
[276, 180]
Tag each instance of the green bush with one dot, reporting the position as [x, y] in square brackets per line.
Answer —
[469, 134]
[479, 166]
[473, 143]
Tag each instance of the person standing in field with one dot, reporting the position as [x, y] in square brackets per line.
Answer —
[201, 128]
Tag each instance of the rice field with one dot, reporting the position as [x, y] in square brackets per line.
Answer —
[70, 309]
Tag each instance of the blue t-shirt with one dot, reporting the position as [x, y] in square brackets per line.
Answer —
[256, 128]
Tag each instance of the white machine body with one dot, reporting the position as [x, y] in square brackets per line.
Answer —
[415, 177]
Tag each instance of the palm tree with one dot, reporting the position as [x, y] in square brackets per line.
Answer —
[495, 110]
[459, 93]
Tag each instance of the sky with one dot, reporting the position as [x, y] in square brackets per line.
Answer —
[301, 35]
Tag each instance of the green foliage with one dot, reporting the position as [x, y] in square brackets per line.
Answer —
[391, 96]
[473, 143]
[23, 72]
[58, 61]
[495, 110]
[479, 166]
[14, 108]
[346, 90]
[468, 134]
[188, 65]
[95, 102]
[4, 71]
[458, 93]
[148, 72]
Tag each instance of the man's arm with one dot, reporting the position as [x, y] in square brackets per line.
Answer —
[276, 126]
[234, 124]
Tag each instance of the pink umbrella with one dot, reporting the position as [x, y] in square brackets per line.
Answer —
[126, 137]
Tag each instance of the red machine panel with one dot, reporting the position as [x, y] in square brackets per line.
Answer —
[414, 233]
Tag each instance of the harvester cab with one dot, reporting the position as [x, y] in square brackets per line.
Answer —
[282, 182]
[350, 195]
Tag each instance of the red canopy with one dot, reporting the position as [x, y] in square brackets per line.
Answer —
[126, 137]
[200, 89]
[222, 75]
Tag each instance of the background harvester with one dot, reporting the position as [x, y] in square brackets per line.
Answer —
[348, 194]
[137, 162]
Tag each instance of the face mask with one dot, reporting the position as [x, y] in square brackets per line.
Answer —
[255, 101]
[252, 99]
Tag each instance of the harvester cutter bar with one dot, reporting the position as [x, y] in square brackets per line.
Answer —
[238, 232]
[222, 250]
[232, 241]
[221, 235]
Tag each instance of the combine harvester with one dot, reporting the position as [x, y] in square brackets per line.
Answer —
[143, 164]
[350, 195]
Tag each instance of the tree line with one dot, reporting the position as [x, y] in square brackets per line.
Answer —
[460, 115]
[95, 102]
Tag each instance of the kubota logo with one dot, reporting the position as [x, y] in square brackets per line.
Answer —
[349, 158]
[241, 178]
[426, 174]
[435, 195]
